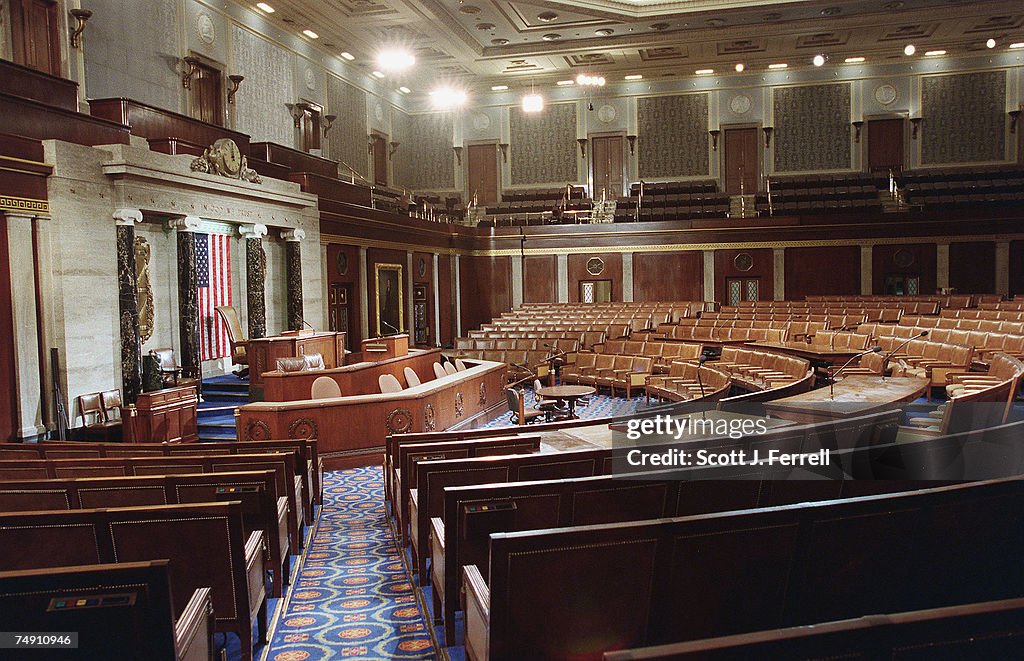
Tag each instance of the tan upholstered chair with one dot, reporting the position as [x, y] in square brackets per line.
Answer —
[324, 387]
[411, 378]
[449, 368]
[239, 343]
[439, 372]
[388, 383]
[460, 365]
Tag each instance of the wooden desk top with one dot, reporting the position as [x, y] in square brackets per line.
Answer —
[805, 350]
[858, 394]
[565, 392]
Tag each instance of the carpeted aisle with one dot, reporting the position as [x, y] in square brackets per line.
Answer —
[352, 598]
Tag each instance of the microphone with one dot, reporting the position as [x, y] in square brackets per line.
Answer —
[832, 377]
[389, 326]
[700, 361]
[308, 325]
[889, 355]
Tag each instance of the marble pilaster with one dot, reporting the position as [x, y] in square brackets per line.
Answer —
[128, 304]
[255, 279]
[866, 269]
[188, 296]
[293, 274]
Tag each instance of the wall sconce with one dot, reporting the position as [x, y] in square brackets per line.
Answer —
[458, 155]
[369, 146]
[504, 151]
[768, 130]
[857, 126]
[1014, 117]
[392, 148]
[80, 15]
[714, 139]
[236, 80]
[192, 69]
[915, 126]
[632, 144]
[298, 110]
[328, 123]
[582, 142]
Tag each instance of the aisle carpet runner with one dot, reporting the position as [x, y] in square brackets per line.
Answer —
[352, 598]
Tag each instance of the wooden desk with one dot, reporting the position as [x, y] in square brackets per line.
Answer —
[162, 416]
[383, 348]
[818, 356]
[855, 395]
[568, 394]
[264, 352]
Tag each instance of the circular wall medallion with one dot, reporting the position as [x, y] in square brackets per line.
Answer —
[399, 421]
[743, 262]
[740, 104]
[421, 267]
[257, 430]
[378, 112]
[481, 122]
[886, 94]
[460, 405]
[903, 258]
[429, 421]
[341, 263]
[595, 266]
[303, 428]
[310, 79]
[607, 114]
[205, 28]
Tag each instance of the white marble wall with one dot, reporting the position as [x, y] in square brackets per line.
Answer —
[261, 101]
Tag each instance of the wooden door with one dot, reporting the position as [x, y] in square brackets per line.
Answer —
[742, 160]
[36, 35]
[607, 156]
[885, 145]
[482, 174]
[310, 124]
[208, 95]
[738, 290]
[380, 159]
[339, 310]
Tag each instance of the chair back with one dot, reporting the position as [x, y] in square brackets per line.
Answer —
[313, 361]
[229, 315]
[449, 368]
[324, 387]
[291, 364]
[439, 372]
[460, 365]
[411, 378]
[388, 383]
[90, 405]
[165, 357]
[111, 403]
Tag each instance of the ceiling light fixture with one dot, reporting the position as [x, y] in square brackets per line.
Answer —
[991, 43]
[563, 83]
[377, 74]
[347, 55]
[591, 81]
[395, 59]
[404, 90]
[854, 60]
[533, 103]
[448, 97]
[1017, 45]
[265, 7]
[704, 72]
[780, 65]
[909, 49]
[499, 88]
[635, 76]
[934, 53]
[739, 67]
[311, 34]
[819, 60]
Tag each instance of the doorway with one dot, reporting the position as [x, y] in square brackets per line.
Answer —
[607, 157]
[886, 147]
[338, 311]
[742, 160]
[595, 291]
[309, 124]
[738, 290]
[208, 95]
[379, 151]
[901, 284]
[482, 174]
[36, 35]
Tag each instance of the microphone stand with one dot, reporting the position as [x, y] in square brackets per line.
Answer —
[390, 326]
[832, 376]
[700, 361]
[892, 353]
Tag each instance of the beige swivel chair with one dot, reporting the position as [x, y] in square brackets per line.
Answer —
[411, 377]
[439, 372]
[449, 368]
[460, 365]
[388, 383]
[239, 343]
[324, 387]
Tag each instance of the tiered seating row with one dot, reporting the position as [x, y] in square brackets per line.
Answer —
[957, 323]
[981, 342]
[996, 315]
[763, 370]
[713, 335]
[954, 187]
[605, 370]
[683, 382]
[663, 353]
[950, 301]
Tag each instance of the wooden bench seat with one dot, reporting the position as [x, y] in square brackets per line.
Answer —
[579, 592]
[262, 507]
[283, 464]
[205, 544]
[127, 616]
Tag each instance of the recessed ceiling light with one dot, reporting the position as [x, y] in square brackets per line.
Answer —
[1017, 45]
[780, 65]
[909, 49]
[265, 7]
[551, 36]
[311, 34]
[448, 97]
[378, 74]
[395, 59]
[740, 67]
[604, 32]
[348, 56]
[499, 88]
[702, 72]
[533, 103]
[853, 60]
[818, 60]
[933, 53]
[566, 82]
[635, 76]
[991, 43]
[404, 90]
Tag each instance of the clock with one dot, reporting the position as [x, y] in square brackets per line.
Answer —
[606, 114]
[225, 157]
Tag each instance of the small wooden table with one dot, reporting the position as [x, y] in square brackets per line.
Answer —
[568, 394]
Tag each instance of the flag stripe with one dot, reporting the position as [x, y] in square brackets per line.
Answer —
[214, 264]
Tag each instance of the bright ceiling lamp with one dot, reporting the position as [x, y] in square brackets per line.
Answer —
[1019, 44]
[377, 74]
[991, 43]
[704, 72]
[563, 83]
[404, 90]
[448, 97]
[818, 60]
[934, 53]
[909, 49]
[265, 7]
[347, 55]
[395, 59]
[780, 65]
[499, 88]
[740, 67]
[592, 81]
[635, 76]
[311, 34]
[854, 60]
[533, 102]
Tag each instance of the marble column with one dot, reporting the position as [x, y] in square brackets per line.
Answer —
[562, 278]
[866, 270]
[517, 281]
[28, 422]
[1002, 267]
[942, 266]
[437, 302]
[627, 277]
[364, 296]
[128, 304]
[779, 271]
[255, 279]
[709, 275]
[457, 277]
[190, 359]
[293, 273]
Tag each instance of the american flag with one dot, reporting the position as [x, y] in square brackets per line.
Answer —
[213, 272]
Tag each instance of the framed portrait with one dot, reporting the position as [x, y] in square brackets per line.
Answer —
[389, 306]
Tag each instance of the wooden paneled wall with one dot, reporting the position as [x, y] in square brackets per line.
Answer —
[446, 300]
[668, 276]
[763, 268]
[904, 259]
[970, 267]
[350, 278]
[540, 279]
[578, 273]
[822, 270]
[486, 287]
[1017, 267]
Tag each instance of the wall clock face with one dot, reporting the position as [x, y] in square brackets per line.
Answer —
[341, 262]
[743, 262]
[595, 266]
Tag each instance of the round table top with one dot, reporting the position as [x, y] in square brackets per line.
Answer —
[555, 392]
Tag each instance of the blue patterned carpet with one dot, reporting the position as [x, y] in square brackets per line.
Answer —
[352, 598]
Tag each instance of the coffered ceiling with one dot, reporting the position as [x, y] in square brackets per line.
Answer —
[514, 42]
